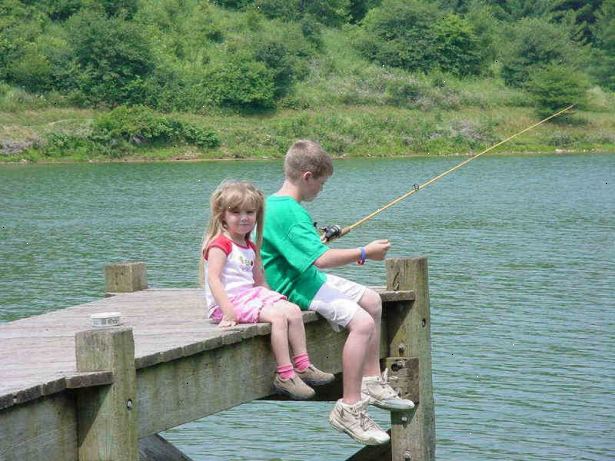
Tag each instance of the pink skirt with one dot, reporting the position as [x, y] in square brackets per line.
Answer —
[248, 304]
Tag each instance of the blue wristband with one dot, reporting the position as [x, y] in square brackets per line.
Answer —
[363, 257]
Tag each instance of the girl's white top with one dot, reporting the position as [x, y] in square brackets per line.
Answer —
[237, 274]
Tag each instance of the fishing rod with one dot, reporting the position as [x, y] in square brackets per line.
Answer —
[333, 232]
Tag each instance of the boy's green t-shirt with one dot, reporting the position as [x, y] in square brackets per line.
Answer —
[291, 244]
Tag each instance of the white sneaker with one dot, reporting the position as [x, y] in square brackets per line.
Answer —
[380, 393]
[354, 421]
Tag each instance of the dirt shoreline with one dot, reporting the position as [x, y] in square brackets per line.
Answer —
[23, 161]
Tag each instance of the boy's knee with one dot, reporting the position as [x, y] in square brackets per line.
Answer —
[372, 303]
[362, 323]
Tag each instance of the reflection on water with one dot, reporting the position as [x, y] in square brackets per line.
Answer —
[522, 269]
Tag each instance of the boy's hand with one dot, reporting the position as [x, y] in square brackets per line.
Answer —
[377, 249]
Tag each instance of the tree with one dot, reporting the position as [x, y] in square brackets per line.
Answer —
[457, 46]
[240, 83]
[584, 13]
[604, 53]
[534, 44]
[329, 12]
[417, 36]
[112, 58]
[400, 34]
[359, 8]
[555, 87]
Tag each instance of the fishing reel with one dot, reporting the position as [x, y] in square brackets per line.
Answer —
[329, 233]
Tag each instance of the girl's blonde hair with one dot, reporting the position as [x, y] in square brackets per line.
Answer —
[231, 195]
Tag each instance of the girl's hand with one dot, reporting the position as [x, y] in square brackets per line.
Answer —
[377, 249]
[225, 323]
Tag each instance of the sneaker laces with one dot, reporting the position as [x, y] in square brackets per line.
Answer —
[366, 422]
[384, 383]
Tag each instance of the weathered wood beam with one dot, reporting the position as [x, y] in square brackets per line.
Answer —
[125, 277]
[42, 429]
[157, 448]
[189, 388]
[107, 415]
[72, 381]
[409, 333]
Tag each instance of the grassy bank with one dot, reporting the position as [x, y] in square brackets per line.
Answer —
[353, 131]
[351, 106]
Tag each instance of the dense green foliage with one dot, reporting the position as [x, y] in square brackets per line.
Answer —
[417, 36]
[125, 129]
[192, 55]
[138, 125]
[264, 57]
[536, 43]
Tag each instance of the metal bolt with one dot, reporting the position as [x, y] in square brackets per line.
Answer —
[424, 322]
[404, 419]
[407, 456]
[401, 348]
[129, 404]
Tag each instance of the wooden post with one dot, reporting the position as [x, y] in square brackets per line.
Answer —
[107, 415]
[125, 277]
[408, 328]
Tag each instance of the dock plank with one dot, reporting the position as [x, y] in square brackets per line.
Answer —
[37, 354]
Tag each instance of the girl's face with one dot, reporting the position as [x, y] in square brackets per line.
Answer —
[240, 221]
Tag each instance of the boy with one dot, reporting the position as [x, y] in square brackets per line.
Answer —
[293, 256]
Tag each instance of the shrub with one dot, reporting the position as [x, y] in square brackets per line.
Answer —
[140, 125]
[329, 12]
[234, 4]
[61, 145]
[416, 36]
[59, 10]
[359, 8]
[241, 84]
[555, 87]
[457, 46]
[399, 34]
[112, 57]
[312, 32]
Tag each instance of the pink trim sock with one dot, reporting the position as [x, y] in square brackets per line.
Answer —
[301, 361]
[285, 371]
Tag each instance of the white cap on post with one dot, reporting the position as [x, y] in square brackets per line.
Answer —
[105, 319]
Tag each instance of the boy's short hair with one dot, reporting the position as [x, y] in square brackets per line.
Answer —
[305, 155]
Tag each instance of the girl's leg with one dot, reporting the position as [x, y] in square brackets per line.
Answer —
[279, 333]
[286, 381]
[296, 329]
[372, 304]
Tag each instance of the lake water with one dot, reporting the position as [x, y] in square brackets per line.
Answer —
[522, 280]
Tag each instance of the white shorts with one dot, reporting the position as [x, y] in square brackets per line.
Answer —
[337, 300]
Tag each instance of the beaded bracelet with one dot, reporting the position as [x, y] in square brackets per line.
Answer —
[363, 257]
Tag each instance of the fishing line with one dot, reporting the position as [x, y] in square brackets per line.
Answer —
[333, 232]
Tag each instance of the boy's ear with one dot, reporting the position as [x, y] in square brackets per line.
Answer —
[307, 175]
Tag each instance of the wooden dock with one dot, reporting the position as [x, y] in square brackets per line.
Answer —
[69, 391]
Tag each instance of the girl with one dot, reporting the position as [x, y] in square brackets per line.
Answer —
[236, 290]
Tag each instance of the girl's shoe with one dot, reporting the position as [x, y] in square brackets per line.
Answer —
[315, 377]
[293, 388]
